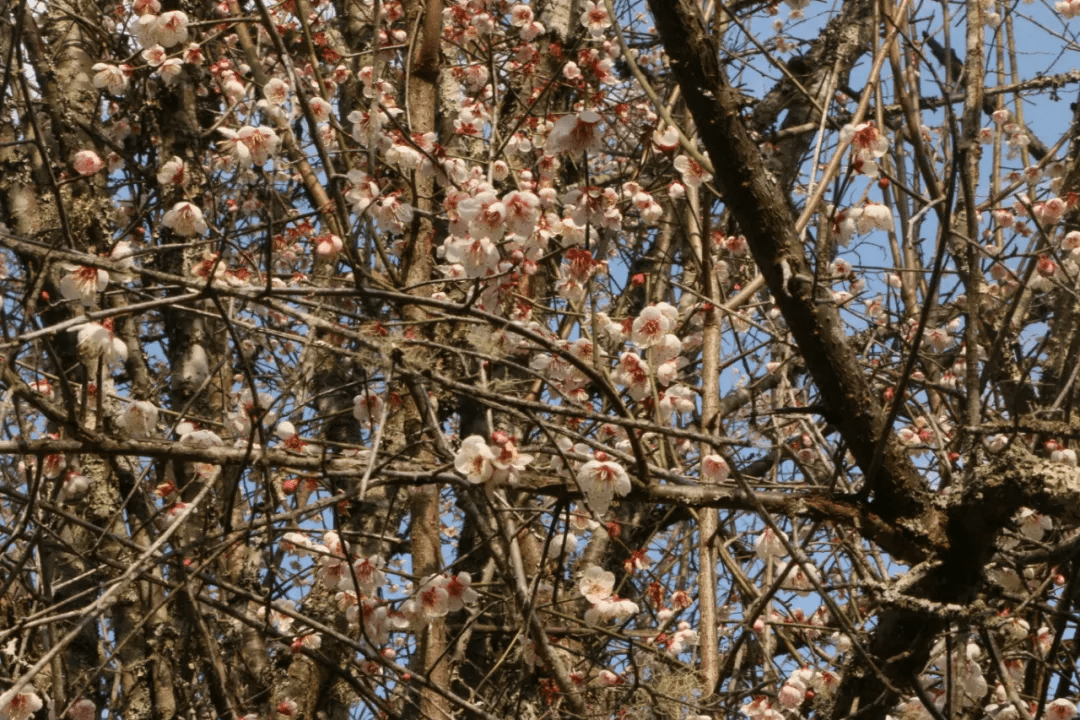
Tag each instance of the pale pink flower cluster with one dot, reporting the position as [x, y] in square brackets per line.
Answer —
[595, 18]
[249, 145]
[168, 29]
[437, 596]
[799, 579]
[112, 78]
[653, 324]
[1068, 8]
[867, 145]
[498, 462]
[368, 407]
[714, 469]
[597, 586]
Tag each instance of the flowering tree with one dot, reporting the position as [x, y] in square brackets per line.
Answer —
[465, 358]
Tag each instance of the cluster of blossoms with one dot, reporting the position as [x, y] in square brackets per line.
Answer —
[867, 145]
[597, 586]
[498, 462]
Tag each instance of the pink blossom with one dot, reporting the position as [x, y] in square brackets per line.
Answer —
[328, 246]
[478, 256]
[867, 144]
[650, 327]
[596, 584]
[433, 598]
[770, 545]
[595, 19]
[138, 419]
[575, 133]
[112, 78]
[172, 28]
[714, 469]
[185, 219]
[600, 480]
[693, 174]
[87, 162]
[459, 591]
[172, 172]
[83, 283]
[874, 216]
[276, 91]
[1061, 709]
[369, 574]
[19, 706]
[155, 55]
[367, 407]
[83, 708]
[521, 15]
[475, 459]
[144, 7]
[170, 70]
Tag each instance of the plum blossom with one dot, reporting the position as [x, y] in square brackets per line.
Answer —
[87, 162]
[650, 327]
[433, 598]
[475, 459]
[328, 246]
[613, 608]
[770, 545]
[96, 340]
[476, 256]
[111, 78]
[873, 216]
[596, 584]
[799, 579]
[667, 139]
[367, 407]
[459, 591]
[138, 419]
[19, 706]
[83, 709]
[172, 172]
[938, 338]
[600, 480]
[693, 174]
[369, 574]
[83, 283]
[575, 133]
[485, 215]
[1061, 709]
[1068, 8]
[287, 432]
[170, 70]
[506, 459]
[171, 28]
[185, 219]
[714, 469]
[867, 145]
[595, 19]
[521, 15]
